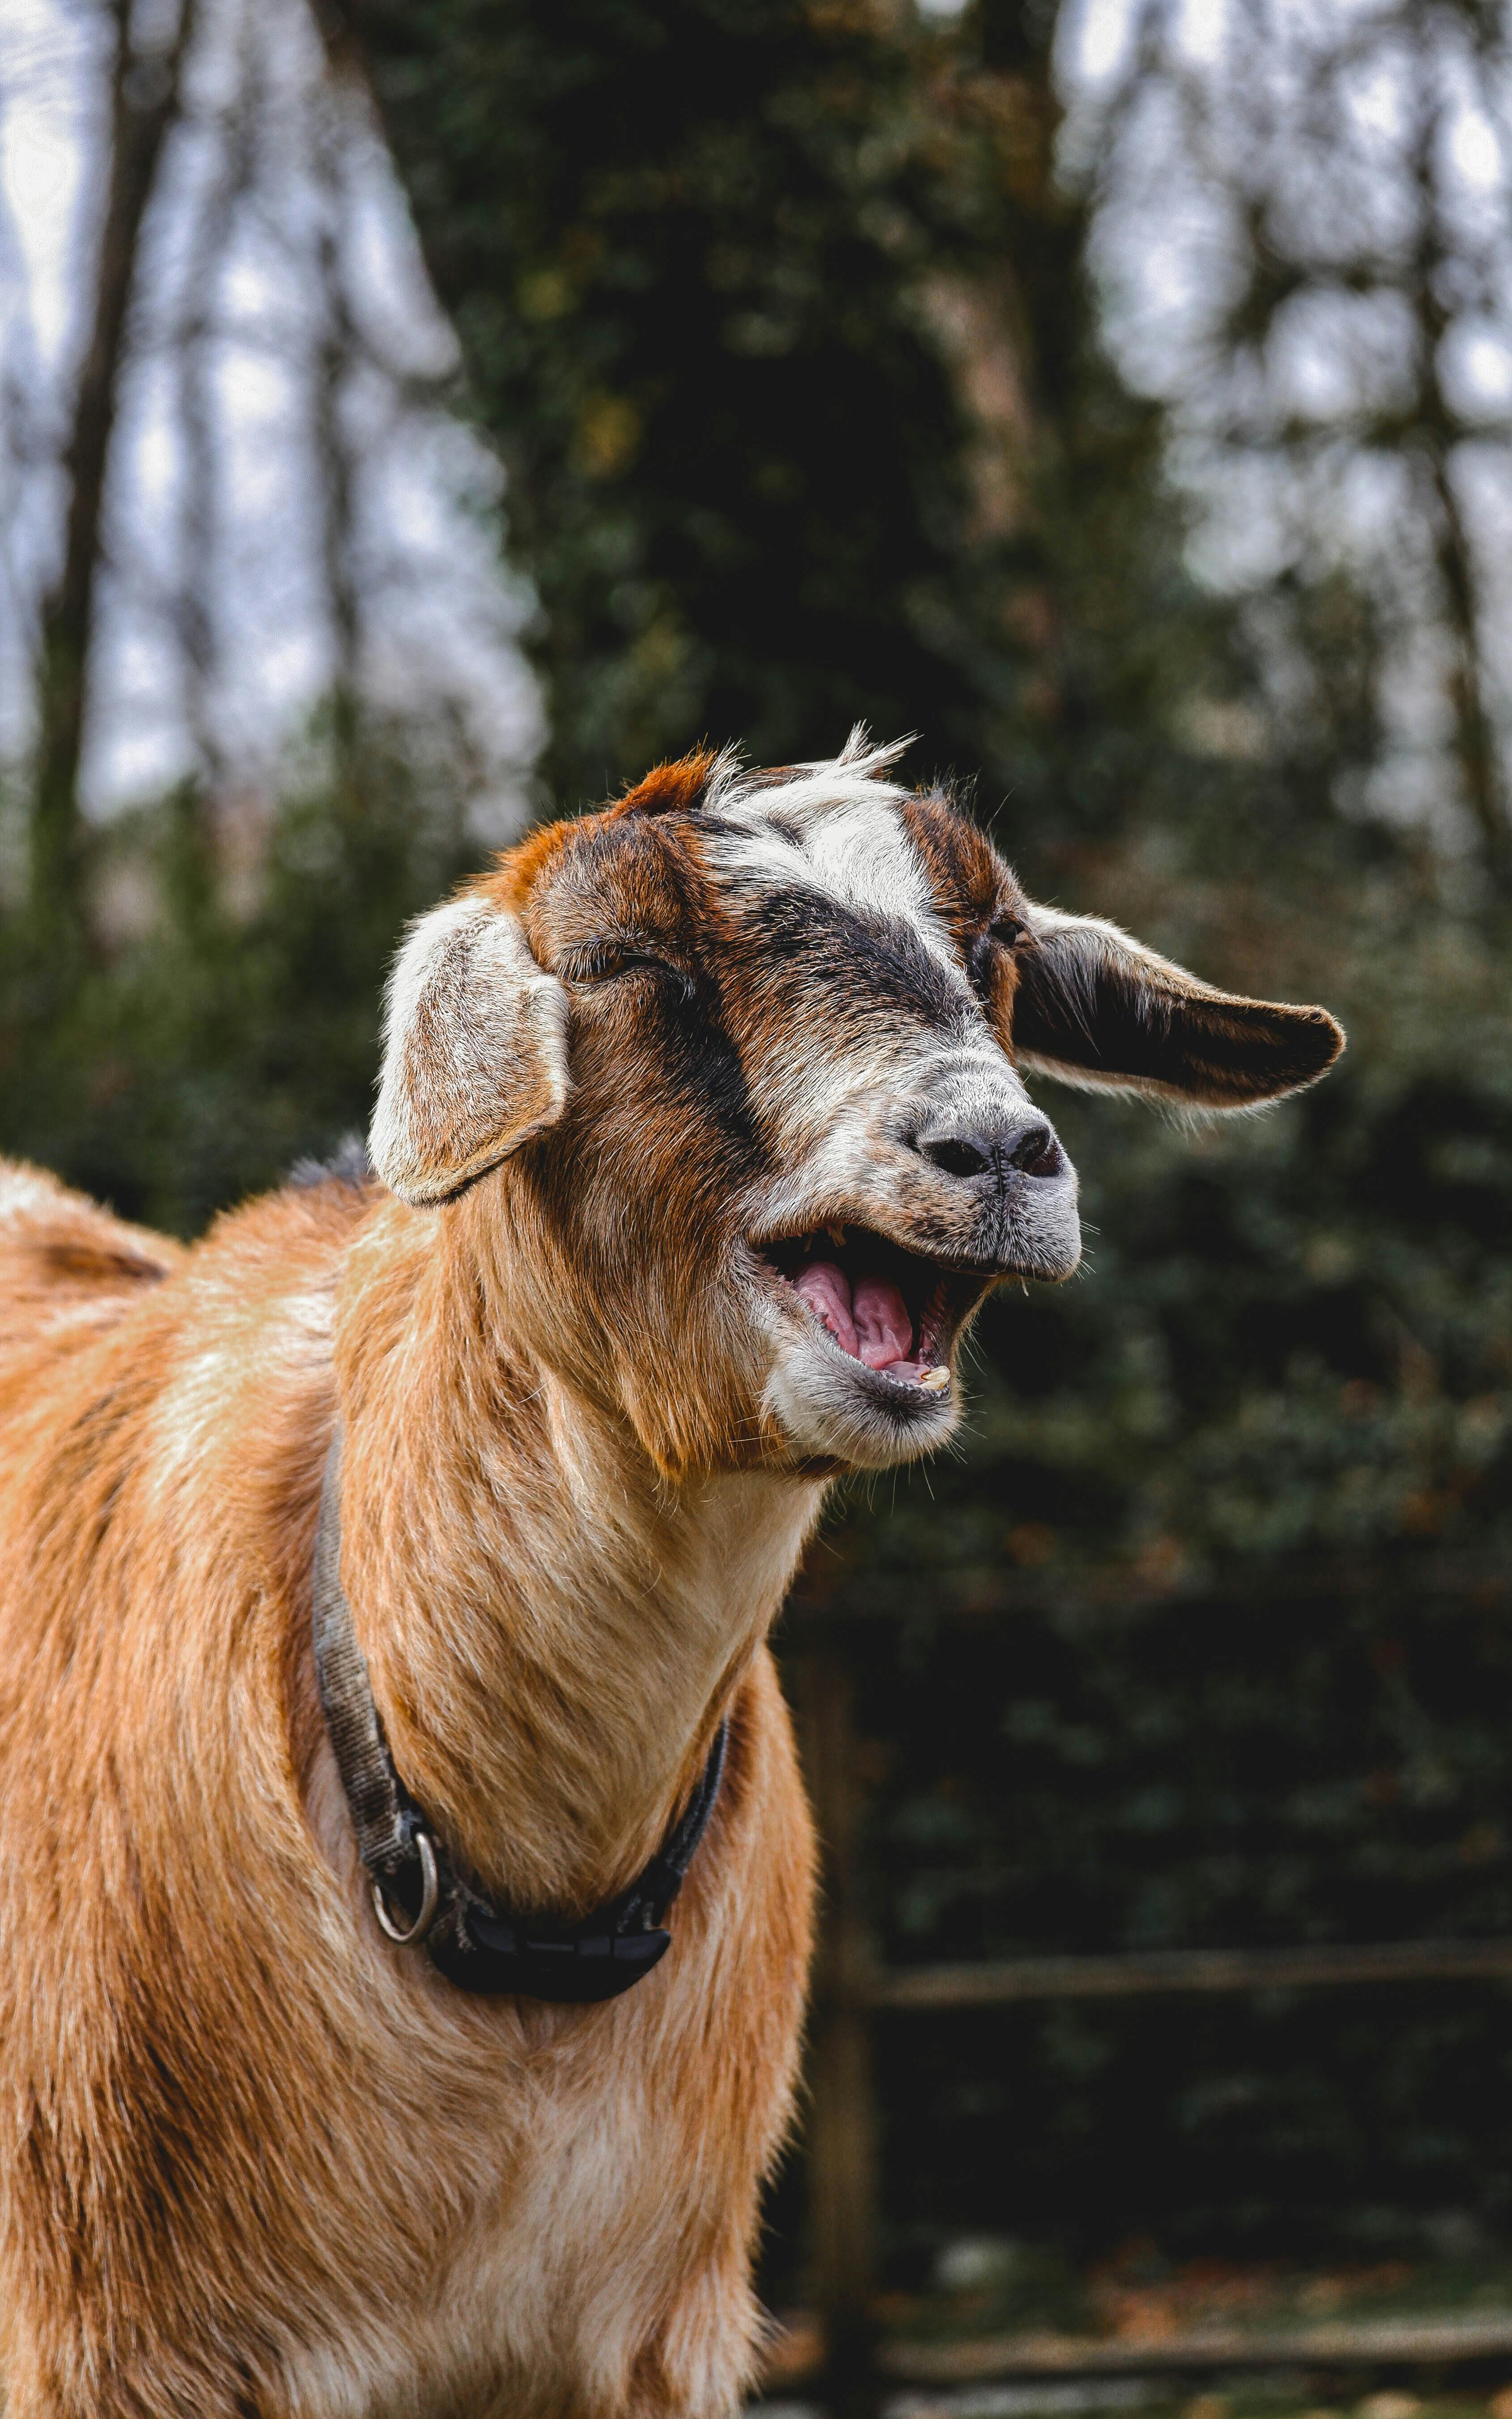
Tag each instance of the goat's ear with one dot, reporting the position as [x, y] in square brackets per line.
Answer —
[1094, 1009]
[475, 1052]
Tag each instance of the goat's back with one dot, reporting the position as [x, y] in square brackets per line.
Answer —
[66, 1265]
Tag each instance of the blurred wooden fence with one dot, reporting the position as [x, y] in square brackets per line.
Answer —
[842, 2130]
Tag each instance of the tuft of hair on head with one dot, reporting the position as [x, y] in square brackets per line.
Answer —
[859, 772]
[674, 788]
[712, 780]
[859, 760]
[866, 756]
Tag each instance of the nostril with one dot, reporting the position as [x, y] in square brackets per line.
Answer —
[1036, 1151]
[960, 1154]
[1030, 1149]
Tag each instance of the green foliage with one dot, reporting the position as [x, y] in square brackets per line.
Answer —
[696, 254]
[197, 1058]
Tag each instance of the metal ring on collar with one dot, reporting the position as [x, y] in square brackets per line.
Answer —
[429, 1899]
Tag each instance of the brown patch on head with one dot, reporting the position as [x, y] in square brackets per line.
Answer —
[668, 789]
[515, 874]
[966, 873]
[616, 884]
[977, 898]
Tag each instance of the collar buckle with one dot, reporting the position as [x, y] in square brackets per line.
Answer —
[430, 1896]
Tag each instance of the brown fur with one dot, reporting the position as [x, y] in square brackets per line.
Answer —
[247, 2148]
[253, 2160]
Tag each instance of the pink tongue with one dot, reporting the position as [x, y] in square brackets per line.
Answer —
[872, 1326]
[826, 1290]
[882, 1323]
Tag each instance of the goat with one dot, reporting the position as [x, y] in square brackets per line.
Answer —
[700, 1136]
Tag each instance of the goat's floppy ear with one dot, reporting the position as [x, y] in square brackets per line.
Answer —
[1094, 1009]
[476, 1051]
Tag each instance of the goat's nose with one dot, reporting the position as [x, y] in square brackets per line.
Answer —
[1028, 1144]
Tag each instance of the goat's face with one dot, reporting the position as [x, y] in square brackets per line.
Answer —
[737, 1063]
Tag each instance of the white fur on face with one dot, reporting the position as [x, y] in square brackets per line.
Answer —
[834, 827]
[837, 830]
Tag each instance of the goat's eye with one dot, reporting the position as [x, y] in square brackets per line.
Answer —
[588, 965]
[599, 962]
[1003, 932]
[602, 961]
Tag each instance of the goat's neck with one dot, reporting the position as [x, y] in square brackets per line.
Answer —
[551, 1628]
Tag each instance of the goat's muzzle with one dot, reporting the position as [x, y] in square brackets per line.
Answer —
[1009, 1201]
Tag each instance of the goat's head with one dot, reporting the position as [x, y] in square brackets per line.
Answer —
[727, 1079]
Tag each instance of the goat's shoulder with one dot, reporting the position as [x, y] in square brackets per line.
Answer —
[61, 1255]
[74, 1276]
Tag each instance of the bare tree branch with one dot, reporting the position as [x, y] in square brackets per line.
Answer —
[1435, 435]
[339, 346]
[1336, 217]
[145, 103]
[196, 337]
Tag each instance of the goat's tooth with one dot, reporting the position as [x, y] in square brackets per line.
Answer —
[934, 1382]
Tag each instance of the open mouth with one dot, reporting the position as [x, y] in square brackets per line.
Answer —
[892, 1310]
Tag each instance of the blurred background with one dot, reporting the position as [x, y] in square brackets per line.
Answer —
[414, 412]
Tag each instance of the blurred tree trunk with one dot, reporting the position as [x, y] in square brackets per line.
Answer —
[734, 457]
[339, 348]
[1432, 283]
[143, 104]
[198, 333]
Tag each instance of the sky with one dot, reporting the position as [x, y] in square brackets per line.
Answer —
[1270, 453]
[241, 341]
[1189, 122]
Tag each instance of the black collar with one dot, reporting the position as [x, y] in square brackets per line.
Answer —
[477, 1945]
